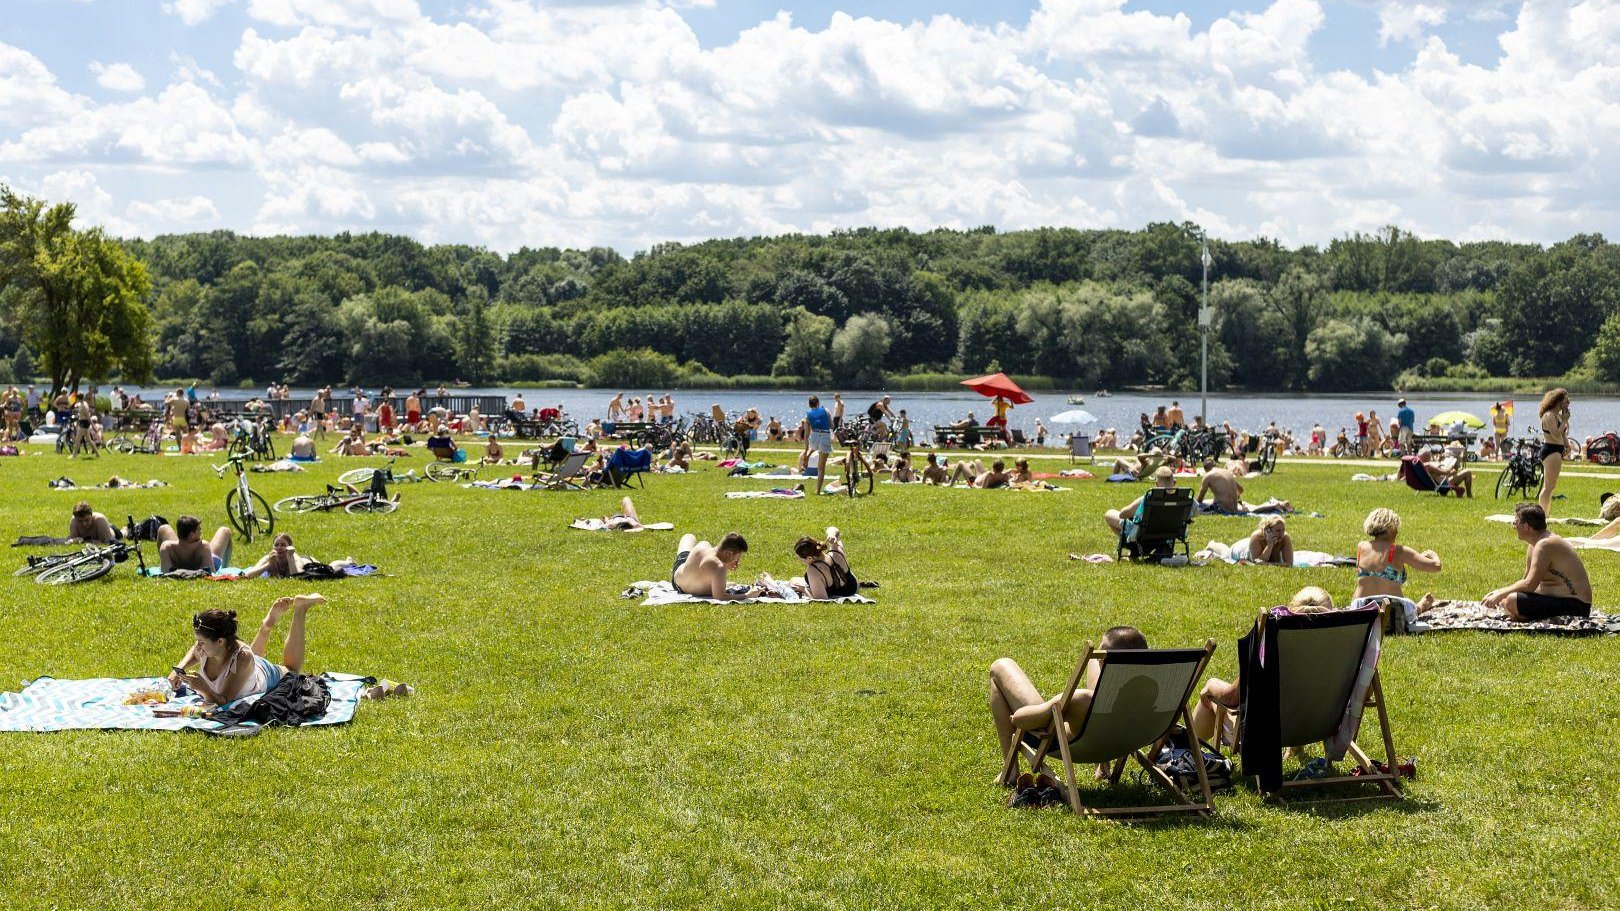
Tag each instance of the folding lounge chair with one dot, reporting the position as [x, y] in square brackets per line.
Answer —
[1416, 475]
[1302, 679]
[568, 475]
[1165, 517]
[1141, 695]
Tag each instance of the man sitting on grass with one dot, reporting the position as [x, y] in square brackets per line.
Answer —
[182, 547]
[1017, 707]
[701, 568]
[1226, 494]
[1555, 583]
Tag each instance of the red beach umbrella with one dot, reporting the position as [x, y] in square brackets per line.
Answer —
[998, 384]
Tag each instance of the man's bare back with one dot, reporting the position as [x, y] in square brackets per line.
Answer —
[1563, 574]
[1224, 486]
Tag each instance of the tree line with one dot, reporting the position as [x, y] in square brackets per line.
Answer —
[1085, 307]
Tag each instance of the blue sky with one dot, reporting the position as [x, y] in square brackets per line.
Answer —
[511, 122]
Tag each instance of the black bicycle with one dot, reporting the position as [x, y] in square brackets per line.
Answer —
[1521, 476]
[858, 471]
[92, 562]
[252, 439]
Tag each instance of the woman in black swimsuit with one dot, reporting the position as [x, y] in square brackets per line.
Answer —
[826, 569]
[1554, 443]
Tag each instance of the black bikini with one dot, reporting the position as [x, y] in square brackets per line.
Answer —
[841, 581]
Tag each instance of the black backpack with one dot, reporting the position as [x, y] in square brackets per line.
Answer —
[295, 699]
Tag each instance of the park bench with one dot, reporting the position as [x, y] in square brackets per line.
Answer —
[947, 435]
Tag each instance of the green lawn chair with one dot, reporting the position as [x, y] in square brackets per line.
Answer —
[1140, 696]
[1314, 661]
[1160, 526]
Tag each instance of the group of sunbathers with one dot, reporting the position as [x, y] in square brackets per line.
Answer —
[181, 546]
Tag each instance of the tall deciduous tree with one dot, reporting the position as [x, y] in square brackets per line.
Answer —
[77, 298]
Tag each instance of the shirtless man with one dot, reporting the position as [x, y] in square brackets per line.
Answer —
[90, 526]
[615, 408]
[701, 568]
[413, 410]
[1223, 486]
[976, 476]
[182, 546]
[1178, 418]
[1555, 582]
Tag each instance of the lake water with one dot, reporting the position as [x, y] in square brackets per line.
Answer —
[1589, 415]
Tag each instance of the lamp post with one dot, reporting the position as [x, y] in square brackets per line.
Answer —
[1203, 332]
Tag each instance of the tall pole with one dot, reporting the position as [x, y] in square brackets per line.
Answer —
[1203, 346]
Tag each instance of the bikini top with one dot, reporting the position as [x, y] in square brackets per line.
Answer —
[840, 580]
[1390, 571]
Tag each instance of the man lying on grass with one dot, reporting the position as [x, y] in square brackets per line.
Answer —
[701, 568]
[1226, 494]
[1555, 583]
[90, 526]
[228, 669]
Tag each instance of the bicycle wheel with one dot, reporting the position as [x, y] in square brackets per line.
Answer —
[82, 570]
[34, 569]
[121, 445]
[238, 447]
[251, 516]
[442, 471]
[357, 476]
[304, 503]
[371, 505]
[1504, 481]
[1268, 458]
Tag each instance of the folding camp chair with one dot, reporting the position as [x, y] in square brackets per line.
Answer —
[1302, 679]
[1161, 525]
[625, 464]
[1416, 475]
[1080, 448]
[1140, 696]
[570, 475]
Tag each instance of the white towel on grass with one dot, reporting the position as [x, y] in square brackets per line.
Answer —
[775, 494]
[662, 592]
[599, 525]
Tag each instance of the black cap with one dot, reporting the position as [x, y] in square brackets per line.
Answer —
[1604, 498]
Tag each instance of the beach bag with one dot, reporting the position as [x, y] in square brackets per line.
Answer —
[1177, 763]
[315, 569]
[295, 699]
[147, 528]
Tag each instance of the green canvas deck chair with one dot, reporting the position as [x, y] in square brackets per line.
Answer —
[1141, 695]
[1299, 675]
[1161, 525]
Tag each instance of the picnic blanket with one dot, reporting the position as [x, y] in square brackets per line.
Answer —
[775, 493]
[39, 541]
[1507, 519]
[662, 592]
[1238, 552]
[48, 704]
[1452, 615]
[599, 525]
[234, 573]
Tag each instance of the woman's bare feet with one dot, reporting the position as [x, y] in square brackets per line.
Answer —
[304, 602]
[1427, 604]
[280, 606]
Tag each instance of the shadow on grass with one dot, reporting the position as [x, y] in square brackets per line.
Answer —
[1338, 803]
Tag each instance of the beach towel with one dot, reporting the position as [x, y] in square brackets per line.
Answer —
[1238, 552]
[657, 593]
[1454, 615]
[777, 475]
[507, 484]
[39, 541]
[1272, 507]
[1362, 476]
[1121, 478]
[277, 466]
[67, 484]
[1080, 473]
[48, 704]
[775, 493]
[1507, 519]
[599, 525]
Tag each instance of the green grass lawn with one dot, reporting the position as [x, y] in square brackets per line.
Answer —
[568, 748]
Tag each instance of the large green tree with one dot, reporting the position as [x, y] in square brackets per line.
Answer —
[77, 298]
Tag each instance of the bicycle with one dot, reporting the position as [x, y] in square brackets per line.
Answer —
[92, 562]
[247, 510]
[252, 439]
[150, 443]
[1521, 476]
[857, 470]
[336, 498]
[68, 440]
[355, 477]
[448, 471]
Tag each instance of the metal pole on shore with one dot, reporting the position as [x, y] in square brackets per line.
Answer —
[1203, 346]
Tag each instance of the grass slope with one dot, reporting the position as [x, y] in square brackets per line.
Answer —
[570, 749]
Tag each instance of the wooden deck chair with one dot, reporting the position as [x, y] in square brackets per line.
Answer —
[570, 475]
[1141, 695]
[1318, 659]
[1163, 523]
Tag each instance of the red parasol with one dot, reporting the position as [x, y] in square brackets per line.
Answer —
[997, 384]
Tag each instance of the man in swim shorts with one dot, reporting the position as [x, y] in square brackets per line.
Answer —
[182, 546]
[1555, 583]
[701, 568]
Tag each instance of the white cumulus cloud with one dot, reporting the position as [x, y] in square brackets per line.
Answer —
[119, 77]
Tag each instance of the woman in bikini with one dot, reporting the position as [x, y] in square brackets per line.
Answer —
[228, 669]
[826, 569]
[1382, 565]
[1554, 443]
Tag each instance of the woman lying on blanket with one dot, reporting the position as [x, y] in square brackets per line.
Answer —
[1270, 544]
[1217, 692]
[1381, 564]
[626, 519]
[284, 562]
[974, 473]
[228, 669]
[826, 568]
